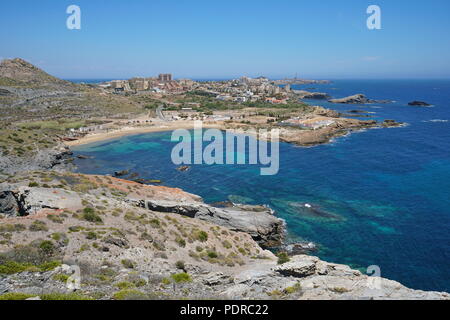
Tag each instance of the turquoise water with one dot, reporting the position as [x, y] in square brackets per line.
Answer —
[384, 192]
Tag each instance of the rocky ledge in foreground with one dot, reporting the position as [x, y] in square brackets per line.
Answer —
[157, 248]
[257, 221]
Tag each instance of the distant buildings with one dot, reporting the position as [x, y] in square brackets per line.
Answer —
[165, 77]
[240, 90]
[164, 83]
[120, 85]
[139, 84]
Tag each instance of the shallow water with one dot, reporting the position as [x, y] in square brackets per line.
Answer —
[382, 195]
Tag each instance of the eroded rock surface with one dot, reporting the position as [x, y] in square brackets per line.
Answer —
[357, 99]
[8, 204]
[29, 201]
[258, 221]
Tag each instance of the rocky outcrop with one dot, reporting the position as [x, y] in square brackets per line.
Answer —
[357, 99]
[294, 249]
[8, 204]
[56, 159]
[121, 173]
[312, 95]
[29, 201]
[297, 267]
[156, 251]
[309, 278]
[4, 92]
[324, 112]
[419, 104]
[391, 123]
[258, 221]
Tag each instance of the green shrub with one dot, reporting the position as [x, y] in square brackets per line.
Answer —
[139, 282]
[56, 236]
[127, 263]
[212, 254]
[155, 223]
[227, 245]
[33, 184]
[50, 265]
[38, 226]
[55, 218]
[12, 227]
[47, 247]
[293, 289]
[129, 294]
[180, 265]
[12, 267]
[181, 277]
[90, 215]
[16, 296]
[64, 296]
[201, 236]
[283, 257]
[125, 285]
[91, 235]
[75, 228]
[61, 277]
[181, 242]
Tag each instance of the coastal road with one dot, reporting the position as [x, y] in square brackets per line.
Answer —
[160, 114]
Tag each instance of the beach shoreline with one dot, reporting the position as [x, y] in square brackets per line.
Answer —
[133, 130]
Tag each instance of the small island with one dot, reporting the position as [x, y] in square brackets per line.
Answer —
[419, 104]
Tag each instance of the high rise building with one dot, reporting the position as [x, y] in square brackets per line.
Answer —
[165, 77]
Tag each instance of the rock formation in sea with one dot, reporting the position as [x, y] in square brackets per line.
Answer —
[357, 99]
[419, 104]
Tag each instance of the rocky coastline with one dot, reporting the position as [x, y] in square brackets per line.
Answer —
[129, 240]
[160, 243]
[57, 158]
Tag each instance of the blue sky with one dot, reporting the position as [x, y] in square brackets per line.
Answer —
[223, 39]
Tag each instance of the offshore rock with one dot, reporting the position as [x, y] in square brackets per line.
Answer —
[357, 99]
[419, 104]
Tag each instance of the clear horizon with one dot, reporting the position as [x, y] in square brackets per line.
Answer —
[223, 40]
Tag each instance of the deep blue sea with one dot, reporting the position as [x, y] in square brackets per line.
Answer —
[386, 192]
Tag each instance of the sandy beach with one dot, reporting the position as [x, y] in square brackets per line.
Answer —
[131, 130]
